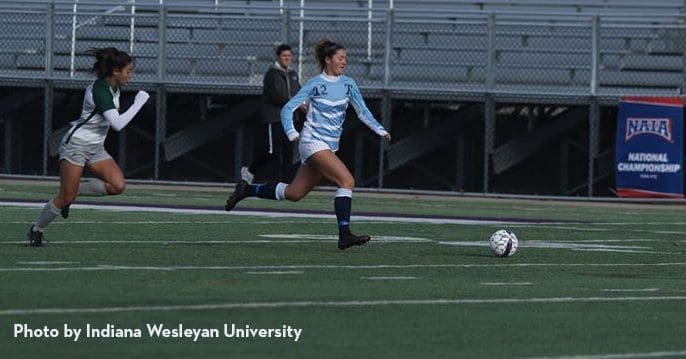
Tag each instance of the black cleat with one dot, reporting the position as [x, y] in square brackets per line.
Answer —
[65, 212]
[238, 195]
[35, 238]
[349, 240]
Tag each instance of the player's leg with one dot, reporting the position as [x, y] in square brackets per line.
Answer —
[93, 186]
[70, 176]
[304, 181]
[332, 168]
[110, 175]
[302, 184]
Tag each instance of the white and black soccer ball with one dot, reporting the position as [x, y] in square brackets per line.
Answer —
[503, 243]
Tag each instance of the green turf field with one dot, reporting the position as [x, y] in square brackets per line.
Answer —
[596, 280]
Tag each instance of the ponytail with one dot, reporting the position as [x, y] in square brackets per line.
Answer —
[325, 48]
[108, 59]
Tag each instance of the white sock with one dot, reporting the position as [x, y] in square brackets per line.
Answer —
[47, 215]
[344, 192]
[280, 192]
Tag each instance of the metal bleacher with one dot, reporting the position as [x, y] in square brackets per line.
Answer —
[525, 46]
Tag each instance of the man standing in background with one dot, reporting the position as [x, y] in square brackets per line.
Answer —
[279, 85]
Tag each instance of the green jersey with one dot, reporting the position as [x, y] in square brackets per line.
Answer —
[91, 127]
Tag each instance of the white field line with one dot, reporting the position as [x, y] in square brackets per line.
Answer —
[506, 283]
[635, 223]
[567, 227]
[663, 354]
[313, 238]
[630, 289]
[624, 240]
[375, 239]
[45, 262]
[103, 267]
[279, 238]
[377, 219]
[353, 303]
[224, 222]
[389, 278]
[618, 250]
[124, 208]
[562, 226]
[577, 246]
[277, 272]
[255, 241]
[276, 238]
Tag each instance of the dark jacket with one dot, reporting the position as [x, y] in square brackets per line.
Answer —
[279, 86]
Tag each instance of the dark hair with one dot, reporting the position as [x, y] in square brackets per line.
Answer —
[325, 48]
[283, 47]
[108, 59]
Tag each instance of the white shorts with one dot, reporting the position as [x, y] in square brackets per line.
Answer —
[308, 148]
[82, 155]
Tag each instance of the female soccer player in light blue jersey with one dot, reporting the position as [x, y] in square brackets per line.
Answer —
[83, 144]
[327, 96]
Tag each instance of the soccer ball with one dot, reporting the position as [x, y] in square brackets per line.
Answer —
[503, 243]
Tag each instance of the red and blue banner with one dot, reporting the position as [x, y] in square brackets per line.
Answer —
[649, 149]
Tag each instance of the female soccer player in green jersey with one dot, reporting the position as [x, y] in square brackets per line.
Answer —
[83, 144]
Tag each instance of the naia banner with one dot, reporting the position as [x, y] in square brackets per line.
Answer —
[650, 150]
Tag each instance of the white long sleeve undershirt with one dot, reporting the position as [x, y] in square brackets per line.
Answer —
[119, 121]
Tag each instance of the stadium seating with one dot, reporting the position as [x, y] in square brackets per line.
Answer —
[538, 44]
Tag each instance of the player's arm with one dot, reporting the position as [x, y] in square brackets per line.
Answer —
[105, 106]
[287, 111]
[364, 114]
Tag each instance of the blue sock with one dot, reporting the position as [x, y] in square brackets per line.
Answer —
[266, 190]
[343, 206]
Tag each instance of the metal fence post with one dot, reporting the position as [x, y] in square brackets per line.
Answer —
[489, 137]
[386, 97]
[132, 28]
[162, 43]
[9, 132]
[72, 53]
[161, 98]
[285, 25]
[490, 59]
[595, 48]
[594, 129]
[301, 39]
[489, 103]
[48, 88]
[594, 106]
[390, 18]
[370, 4]
[121, 158]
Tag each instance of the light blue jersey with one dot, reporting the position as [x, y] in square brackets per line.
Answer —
[327, 98]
